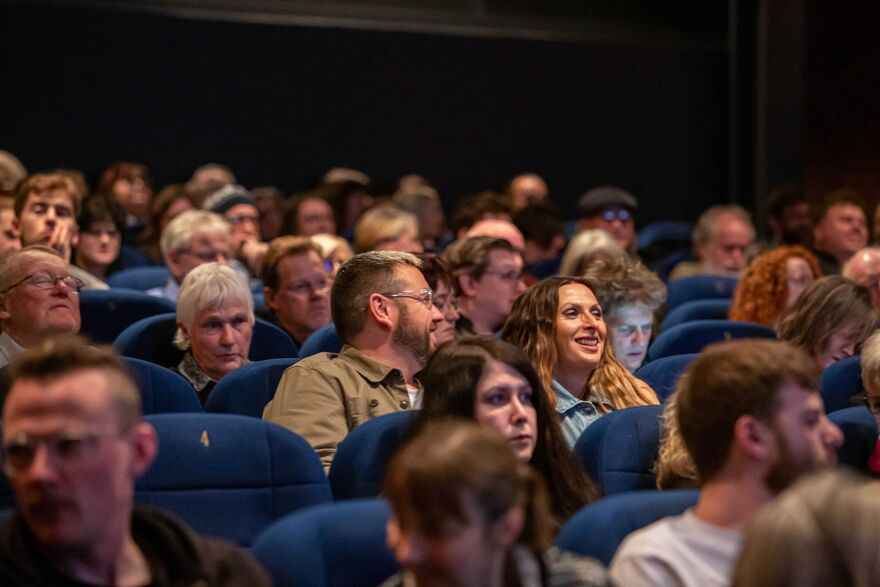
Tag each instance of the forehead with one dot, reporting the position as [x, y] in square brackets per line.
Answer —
[210, 239]
[54, 197]
[229, 305]
[797, 264]
[313, 206]
[502, 258]
[33, 261]
[496, 373]
[633, 314]
[294, 266]
[844, 209]
[792, 399]
[730, 227]
[77, 397]
[575, 293]
[240, 209]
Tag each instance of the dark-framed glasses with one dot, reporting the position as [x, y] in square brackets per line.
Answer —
[47, 280]
[425, 296]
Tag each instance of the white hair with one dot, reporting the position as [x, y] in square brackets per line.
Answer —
[207, 286]
[586, 245]
[178, 235]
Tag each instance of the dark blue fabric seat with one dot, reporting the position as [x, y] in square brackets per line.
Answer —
[140, 278]
[162, 390]
[859, 429]
[717, 309]
[841, 382]
[323, 340]
[662, 375]
[691, 337]
[699, 287]
[248, 389]
[107, 312]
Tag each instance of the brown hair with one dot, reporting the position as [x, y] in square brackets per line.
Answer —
[826, 306]
[842, 196]
[532, 327]
[729, 380]
[124, 169]
[470, 256]
[622, 280]
[281, 248]
[41, 183]
[763, 288]
[149, 238]
[428, 479]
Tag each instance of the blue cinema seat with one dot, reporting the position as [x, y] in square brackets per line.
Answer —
[107, 312]
[691, 337]
[859, 429]
[711, 309]
[323, 340]
[699, 287]
[162, 390]
[842, 381]
[248, 389]
[662, 375]
[140, 278]
[230, 476]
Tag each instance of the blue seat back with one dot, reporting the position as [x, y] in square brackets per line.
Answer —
[691, 337]
[859, 429]
[151, 339]
[7, 497]
[717, 309]
[664, 266]
[130, 256]
[162, 390]
[333, 545]
[323, 340]
[662, 375]
[699, 287]
[141, 278]
[840, 382]
[106, 313]
[358, 468]
[248, 389]
[230, 476]
[675, 231]
[619, 449]
[599, 528]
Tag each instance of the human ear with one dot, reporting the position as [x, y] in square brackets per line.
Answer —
[753, 437]
[468, 285]
[508, 527]
[380, 309]
[145, 446]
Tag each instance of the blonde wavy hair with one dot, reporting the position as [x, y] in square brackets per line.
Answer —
[532, 327]
[674, 469]
[763, 288]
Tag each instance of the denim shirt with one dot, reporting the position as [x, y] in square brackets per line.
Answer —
[574, 414]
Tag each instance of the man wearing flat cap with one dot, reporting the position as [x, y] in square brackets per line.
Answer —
[613, 210]
[235, 204]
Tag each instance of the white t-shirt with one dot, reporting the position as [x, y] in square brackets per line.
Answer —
[678, 551]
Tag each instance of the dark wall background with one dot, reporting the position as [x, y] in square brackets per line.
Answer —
[281, 104]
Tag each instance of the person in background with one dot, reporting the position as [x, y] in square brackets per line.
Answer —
[481, 206]
[830, 320]
[10, 239]
[560, 326]
[206, 180]
[441, 281]
[168, 204]
[585, 248]
[215, 322]
[465, 512]
[498, 228]
[271, 206]
[772, 283]
[130, 186]
[424, 203]
[335, 251]
[789, 218]
[386, 227]
[543, 231]
[613, 210]
[629, 294]
[490, 381]
[722, 238]
[527, 189]
[864, 268]
[840, 228]
[348, 192]
[235, 205]
[870, 375]
[102, 222]
[11, 173]
[309, 214]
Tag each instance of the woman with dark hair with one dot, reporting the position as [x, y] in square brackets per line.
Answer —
[830, 320]
[129, 184]
[492, 382]
[560, 326]
[170, 203]
[441, 281]
[101, 222]
[466, 512]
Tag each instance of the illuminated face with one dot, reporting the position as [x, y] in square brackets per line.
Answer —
[10, 240]
[415, 319]
[495, 291]
[617, 221]
[46, 214]
[726, 249]
[315, 216]
[580, 330]
[798, 276]
[503, 402]
[99, 245]
[203, 248]
[843, 230]
[447, 303]
[841, 345]
[302, 301]
[133, 193]
[630, 327]
[220, 337]
[245, 222]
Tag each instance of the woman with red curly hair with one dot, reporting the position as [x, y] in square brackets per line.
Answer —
[771, 283]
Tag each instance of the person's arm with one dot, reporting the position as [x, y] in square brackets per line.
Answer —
[640, 570]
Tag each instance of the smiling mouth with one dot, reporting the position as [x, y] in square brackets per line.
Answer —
[588, 341]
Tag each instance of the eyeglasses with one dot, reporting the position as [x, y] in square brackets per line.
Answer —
[303, 288]
[46, 280]
[68, 449]
[425, 296]
[612, 215]
[209, 256]
[445, 303]
[242, 218]
[511, 276]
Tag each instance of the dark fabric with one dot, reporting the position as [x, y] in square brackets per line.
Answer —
[464, 326]
[177, 556]
[828, 264]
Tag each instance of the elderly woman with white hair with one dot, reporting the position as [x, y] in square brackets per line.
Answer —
[215, 320]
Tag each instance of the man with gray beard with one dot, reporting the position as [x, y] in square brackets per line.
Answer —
[383, 311]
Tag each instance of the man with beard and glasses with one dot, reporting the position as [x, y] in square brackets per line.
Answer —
[384, 314]
[752, 419]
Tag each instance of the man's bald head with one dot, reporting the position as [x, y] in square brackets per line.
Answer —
[864, 268]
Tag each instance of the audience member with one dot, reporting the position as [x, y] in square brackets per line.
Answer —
[488, 278]
[864, 268]
[870, 374]
[383, 312]
[11, 173]
[587, 247]
[39, 298]
[102, 222]
[466, 512]
[309, 214]
[498, 228]
[442, 283]
[772, 283]
[215, 321]
[335, 251]
[271, 207]
[387, 228]
[10, 238]
[560, 325]
[526, 189]
[348, 192]
[840, 228]
[206, 180]
[629, 294]
[674, 468]
[543, 231]
[129, 184]
[424, 203]
[491, 381]
[296, 286]
[613, 210]
[476, 207]
[73, 446]
[788, 216]
[46, 207]
[235, 205]
[830, 320]
[722, 237]
[193, 238]
[752, 419]
[821, 532]
[168, 204]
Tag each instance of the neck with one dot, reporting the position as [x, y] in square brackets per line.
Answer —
[392, 357]
[480, 325]
[731, 502]
[113, 562]
[99, 271]
[574, 381]
[298, 333]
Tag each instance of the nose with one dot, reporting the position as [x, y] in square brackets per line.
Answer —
[436, 314]
[41, 467]
[518, 411]
[640, 337]
[227, 335]
[848, 350]
[452, 314]
[833, 436]
[520, 286]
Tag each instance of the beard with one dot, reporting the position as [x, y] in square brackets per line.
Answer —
[788, 466]
[407, 337]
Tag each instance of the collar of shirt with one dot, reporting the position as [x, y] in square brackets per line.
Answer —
[371, 370]
[565, 401]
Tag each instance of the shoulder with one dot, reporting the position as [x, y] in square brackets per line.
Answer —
[566, 569]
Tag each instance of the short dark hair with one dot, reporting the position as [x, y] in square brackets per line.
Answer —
[281, 248]
[470, 256]
[841, 196]
[101, 208]
[733, 379]
[476, 206]
[540, 223]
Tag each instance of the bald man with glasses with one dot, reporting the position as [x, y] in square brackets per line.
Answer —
[384, 313]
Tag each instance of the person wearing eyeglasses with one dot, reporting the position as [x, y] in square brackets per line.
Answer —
[296, 286]
[723, 238]
[39, 297]
[384, 314]
[488, 278]
[192, 238]
[235, 204]
[613, 210]
[73, 445]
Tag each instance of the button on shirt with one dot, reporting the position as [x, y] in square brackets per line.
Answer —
[574, 414]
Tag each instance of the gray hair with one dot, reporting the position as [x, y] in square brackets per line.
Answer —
[178, 235]
[871, 362]
[206, 286]
[11, 263]
[704, 230]
[585, 246]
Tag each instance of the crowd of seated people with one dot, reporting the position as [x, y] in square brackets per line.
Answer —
[502, 319]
